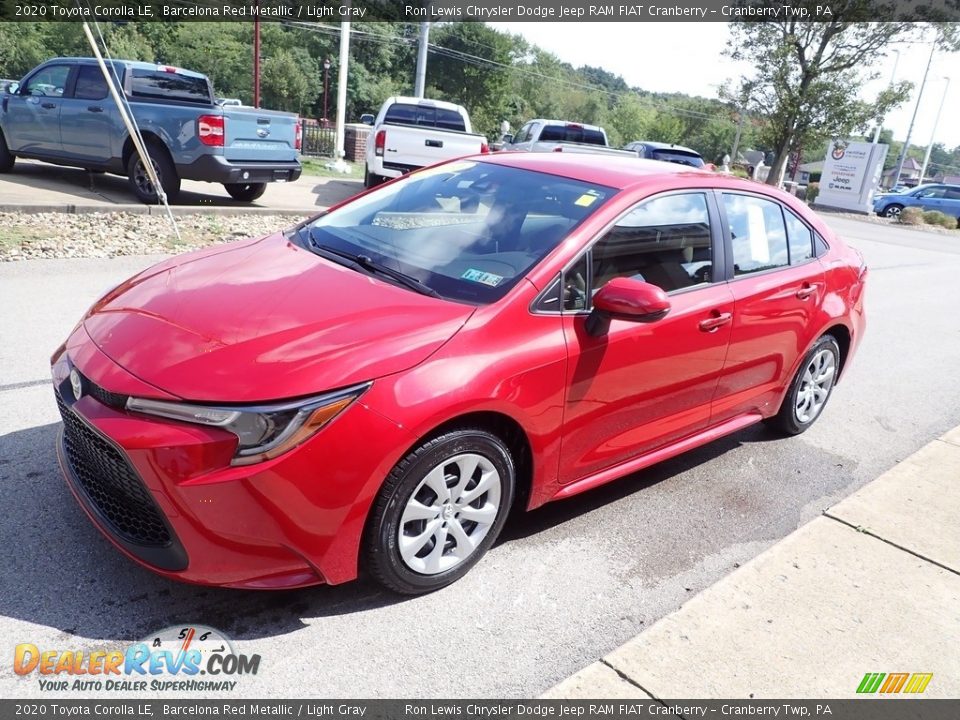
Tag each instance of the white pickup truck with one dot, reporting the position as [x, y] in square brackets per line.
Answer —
[561, 136]
[410, 133]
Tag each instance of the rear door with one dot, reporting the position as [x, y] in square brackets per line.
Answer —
[33, 114]
[87, 117]
[255, 135]
[778, 288]
[641, 386]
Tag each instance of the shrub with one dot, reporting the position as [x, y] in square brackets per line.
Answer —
[950, 222]
[911, 216]
[813, 189]
[933, 217]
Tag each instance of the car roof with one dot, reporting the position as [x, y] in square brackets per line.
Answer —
[424, 102]
[135, 64]
[611, 171]
[565, 123]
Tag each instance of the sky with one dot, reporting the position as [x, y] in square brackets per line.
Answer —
[687, 57]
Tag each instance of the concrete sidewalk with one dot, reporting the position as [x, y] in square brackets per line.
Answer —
[871, 586]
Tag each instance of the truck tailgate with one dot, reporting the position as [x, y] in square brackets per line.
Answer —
[254, 135]
[414, 147]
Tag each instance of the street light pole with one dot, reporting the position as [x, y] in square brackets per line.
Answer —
[326, 85]
[876, 133]
[256, 60]
[906, 143]
[933, 134]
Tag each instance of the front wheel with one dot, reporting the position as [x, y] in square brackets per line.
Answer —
[810, 389]
[439, 511]
[7, 158]
[893, 211]
[245, 192]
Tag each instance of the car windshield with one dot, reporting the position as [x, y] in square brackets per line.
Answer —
[467, 230]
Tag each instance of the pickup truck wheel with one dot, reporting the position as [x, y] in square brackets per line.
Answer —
[140, 181]
[245, 192]
[7, 158]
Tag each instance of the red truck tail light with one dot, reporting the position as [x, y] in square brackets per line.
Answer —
[211, 129]
[558, 148]
[379, 143]
[484, 148]
[298, 137]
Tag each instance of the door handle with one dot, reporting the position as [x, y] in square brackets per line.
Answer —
[94, 108]
[806, 290]
[48, 105]
[719, 319]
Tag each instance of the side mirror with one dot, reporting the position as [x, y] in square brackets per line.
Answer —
[13, 88]
[506, 139]
[626, 299]
[367, 119]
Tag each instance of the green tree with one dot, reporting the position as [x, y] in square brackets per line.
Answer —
[288, 81]
[807, 73]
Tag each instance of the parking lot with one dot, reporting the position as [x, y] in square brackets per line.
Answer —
[36, 184]
[564, 585]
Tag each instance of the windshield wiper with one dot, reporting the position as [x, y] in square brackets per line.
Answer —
[365, 262]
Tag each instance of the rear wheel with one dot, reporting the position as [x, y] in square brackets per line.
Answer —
[810, 389]
[166, 172]
[369, 179]
[893, 211]
[7, 158]
[439, 511]
[245, 192]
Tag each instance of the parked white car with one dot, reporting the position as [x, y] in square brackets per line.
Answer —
[410, 133]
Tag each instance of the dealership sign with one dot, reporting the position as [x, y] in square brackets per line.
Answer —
[851, 174]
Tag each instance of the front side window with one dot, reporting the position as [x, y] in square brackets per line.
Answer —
[468, 230]
[757, 234]
[931, 192]
[664, 242]
[49, 82]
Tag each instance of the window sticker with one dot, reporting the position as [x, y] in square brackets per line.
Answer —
[587, 199]
[482, 277]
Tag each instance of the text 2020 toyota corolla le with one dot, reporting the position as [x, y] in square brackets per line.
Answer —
[374, 390]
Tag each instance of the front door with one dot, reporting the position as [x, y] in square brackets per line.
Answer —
[33, 114]
[640, 386]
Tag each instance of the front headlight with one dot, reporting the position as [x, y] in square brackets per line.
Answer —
[263, 431]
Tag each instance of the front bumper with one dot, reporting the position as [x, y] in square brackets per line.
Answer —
[216, 168]
[292, 521]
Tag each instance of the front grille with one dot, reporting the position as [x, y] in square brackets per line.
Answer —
[111, 485]
[105, 397]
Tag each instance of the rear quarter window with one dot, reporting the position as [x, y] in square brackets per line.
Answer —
[160, 85]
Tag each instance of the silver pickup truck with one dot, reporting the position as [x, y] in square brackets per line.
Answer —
[561, 136]
[62, 113]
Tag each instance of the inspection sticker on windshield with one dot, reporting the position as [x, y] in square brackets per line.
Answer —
[587, 199]
[482, 277]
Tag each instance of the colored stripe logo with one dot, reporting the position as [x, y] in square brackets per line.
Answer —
[894, 683]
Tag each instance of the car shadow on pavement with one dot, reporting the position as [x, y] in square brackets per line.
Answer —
[556, 513]
[334, 191]
[59, 571]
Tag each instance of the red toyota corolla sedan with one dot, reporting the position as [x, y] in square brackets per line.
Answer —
[374, 390]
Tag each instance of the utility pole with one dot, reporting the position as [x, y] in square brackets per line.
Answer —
[339, 163]
[256, 58]
[876, 133]
[933, 134]
[906, 143]
[736, 140]
[421, 78]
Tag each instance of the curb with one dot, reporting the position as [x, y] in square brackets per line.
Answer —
[131, 209]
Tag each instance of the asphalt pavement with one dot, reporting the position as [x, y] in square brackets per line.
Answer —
[566, 584]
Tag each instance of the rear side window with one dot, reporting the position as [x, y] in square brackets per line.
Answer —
[162, 85]
[757, 234]
[571, 133]
[425, 116]
[799, 238]
[952, 193]
[90, 84]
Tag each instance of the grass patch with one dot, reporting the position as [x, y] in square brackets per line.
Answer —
[316, 167]
[16, 236]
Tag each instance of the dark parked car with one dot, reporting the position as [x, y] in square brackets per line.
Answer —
[666, 152]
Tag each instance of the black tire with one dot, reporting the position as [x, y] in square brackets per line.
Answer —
[7, 158]
[893, 211]
[245, 192]
[790, 420]
[140, 181]
[369, 179]
[382, 539]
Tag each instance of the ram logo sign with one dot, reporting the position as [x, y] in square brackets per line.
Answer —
[893, 683]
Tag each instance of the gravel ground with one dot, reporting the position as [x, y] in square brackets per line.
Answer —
[100, 235]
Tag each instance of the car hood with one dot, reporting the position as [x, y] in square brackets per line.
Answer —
[265, 321]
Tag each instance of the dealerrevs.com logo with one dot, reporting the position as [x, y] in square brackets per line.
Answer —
[193, 658]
